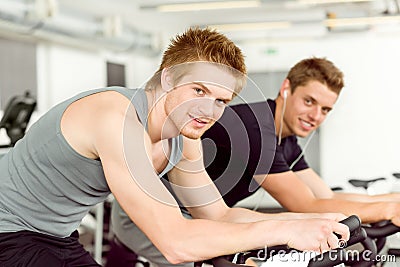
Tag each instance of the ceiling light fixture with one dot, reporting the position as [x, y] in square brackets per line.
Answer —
[342, 22]
[321, 2]
[252, 26]
[207, 6]
[332, 23]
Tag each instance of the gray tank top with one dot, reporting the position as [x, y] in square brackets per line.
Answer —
[46, 186]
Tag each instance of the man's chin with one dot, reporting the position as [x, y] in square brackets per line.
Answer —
[192, 135]
[303, 134]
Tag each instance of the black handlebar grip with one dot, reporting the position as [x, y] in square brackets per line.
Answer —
[382, 231]
[337, 256]
[356, 237]
[370, 246]
[353, 222]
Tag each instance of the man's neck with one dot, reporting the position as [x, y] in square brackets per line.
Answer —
[279, 112]
[159, 127]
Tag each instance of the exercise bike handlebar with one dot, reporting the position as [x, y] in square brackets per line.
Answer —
[353, 222]
[382, 231]
[325, 259]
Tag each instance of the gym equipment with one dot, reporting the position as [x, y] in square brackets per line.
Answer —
[381, 230]
[365, 183]
[327, 259]
[16, 117]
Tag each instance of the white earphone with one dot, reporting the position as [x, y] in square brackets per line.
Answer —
[285, 94]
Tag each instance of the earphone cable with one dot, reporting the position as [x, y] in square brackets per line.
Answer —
[281, 122]
[303, 150]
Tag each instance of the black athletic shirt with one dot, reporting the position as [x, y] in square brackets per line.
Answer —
[241, 144]
[287, 152]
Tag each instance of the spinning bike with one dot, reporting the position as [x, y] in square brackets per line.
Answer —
[381, 230]
[326, 259]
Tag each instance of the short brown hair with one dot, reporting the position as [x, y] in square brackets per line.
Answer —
[316, 69]
[197, 44]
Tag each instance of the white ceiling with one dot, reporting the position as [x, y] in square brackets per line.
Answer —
[140, 15]
[133, 13]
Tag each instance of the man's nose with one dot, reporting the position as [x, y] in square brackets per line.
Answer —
[206, 106]
[316, 113]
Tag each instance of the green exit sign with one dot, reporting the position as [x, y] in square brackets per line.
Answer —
[271, 51]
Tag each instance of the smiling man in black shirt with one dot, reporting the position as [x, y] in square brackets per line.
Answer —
[305, 98]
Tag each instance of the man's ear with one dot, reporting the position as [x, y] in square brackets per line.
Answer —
[166, 80]
[285, 89]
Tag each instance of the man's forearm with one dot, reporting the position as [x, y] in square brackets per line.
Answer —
[393, 197]
[368, 212]
[240, 215]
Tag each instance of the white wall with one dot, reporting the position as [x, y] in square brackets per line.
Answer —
[359, 139]
[64, 71]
